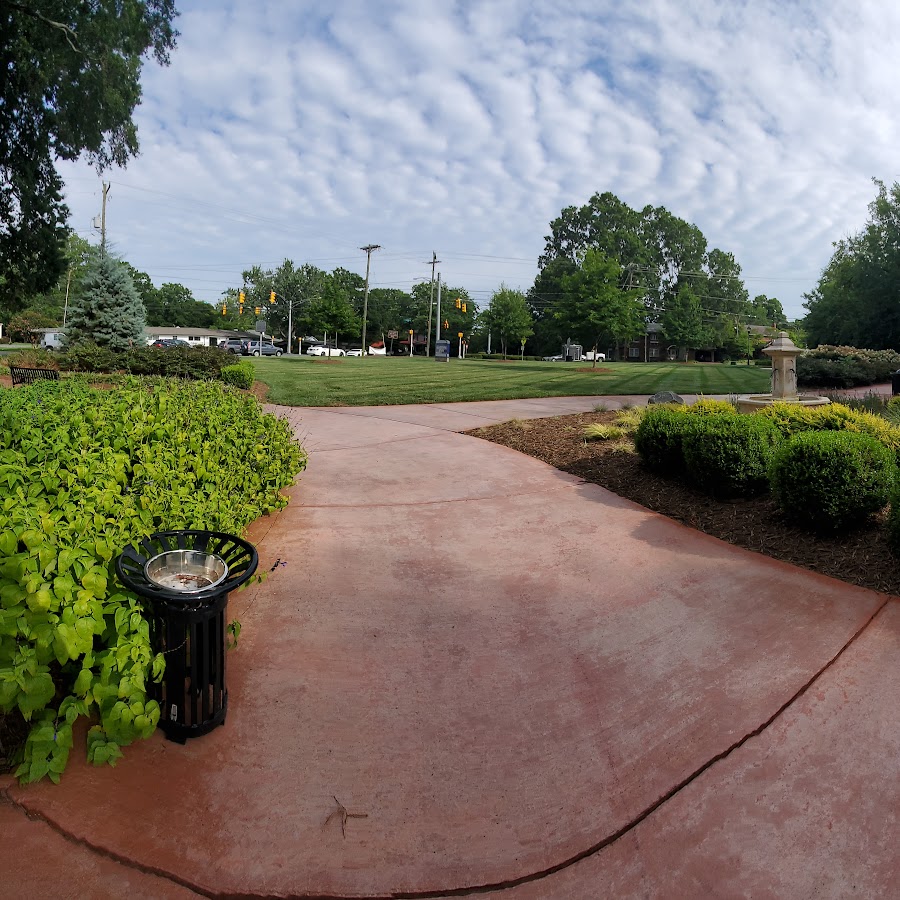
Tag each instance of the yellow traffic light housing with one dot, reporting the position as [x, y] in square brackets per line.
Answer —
[256, 310]
[271, 296]
[458, 303]
[240, 296]
[464, 307]
[224, 309]
[446, 324]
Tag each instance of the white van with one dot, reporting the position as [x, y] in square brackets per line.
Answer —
[52, 340]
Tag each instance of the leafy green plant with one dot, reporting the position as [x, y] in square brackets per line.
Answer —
[659, 436]
[240, 375]
[32, 359]
[629, 419]
[84, 472]
[832, 480]
[729, 455]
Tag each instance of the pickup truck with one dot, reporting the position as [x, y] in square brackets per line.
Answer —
[590, 356]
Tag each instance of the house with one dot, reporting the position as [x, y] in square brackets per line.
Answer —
[650, 347]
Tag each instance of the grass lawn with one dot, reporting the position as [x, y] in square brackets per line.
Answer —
[352, 381]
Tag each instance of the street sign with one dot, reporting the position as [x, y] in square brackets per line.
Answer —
[442, 351]
[393, 335]
[260, 325]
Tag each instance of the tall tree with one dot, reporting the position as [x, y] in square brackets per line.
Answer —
[508, 317]
[594, 308]
[855, 299]
[683, 322]
[71, 82]
[108, 310]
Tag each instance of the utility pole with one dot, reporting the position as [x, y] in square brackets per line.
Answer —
[368, 251]
[434, 262]
[106, 188]
[437, 321]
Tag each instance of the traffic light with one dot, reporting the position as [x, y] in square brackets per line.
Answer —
[224, 309]
[458, 303]
[240, 296]
[271, 296]
[464, 307]
[256, 310]
[446, 324]
[240, 303]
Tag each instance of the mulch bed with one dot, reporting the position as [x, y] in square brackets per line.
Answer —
[861, 557]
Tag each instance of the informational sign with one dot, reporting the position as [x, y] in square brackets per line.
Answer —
[442, 351]
[261, 325]
[393, 335]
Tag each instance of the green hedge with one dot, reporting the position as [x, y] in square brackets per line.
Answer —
[179, 362]
[844, 367]
[729, 456]
[828, 481]
[240, 375]
[83, 472]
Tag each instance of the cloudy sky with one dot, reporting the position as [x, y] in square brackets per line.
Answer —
[304, 130]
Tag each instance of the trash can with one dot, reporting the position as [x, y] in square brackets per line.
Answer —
[895, 383]
[185, 577]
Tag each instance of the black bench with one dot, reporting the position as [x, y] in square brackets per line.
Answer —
[21, 375]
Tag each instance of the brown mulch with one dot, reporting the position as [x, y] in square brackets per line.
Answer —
[861, 557]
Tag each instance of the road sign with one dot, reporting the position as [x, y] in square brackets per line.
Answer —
[393, 335]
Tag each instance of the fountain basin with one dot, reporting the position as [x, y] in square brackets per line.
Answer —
[751, 402]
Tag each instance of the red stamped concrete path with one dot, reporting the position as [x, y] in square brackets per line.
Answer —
[514, 683]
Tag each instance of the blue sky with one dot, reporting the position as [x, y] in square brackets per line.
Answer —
[305, 130]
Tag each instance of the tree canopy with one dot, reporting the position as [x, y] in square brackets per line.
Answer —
[508, 315]
[855, 299]
[71, 83]
[656, 254]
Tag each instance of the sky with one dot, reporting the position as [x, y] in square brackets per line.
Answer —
[306, 130]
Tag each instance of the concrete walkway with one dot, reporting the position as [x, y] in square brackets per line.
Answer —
[514, 683]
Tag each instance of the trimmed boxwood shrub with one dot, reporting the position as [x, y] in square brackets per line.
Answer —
[198, 363]
[658, 438]
[729, 456]
[240, 375]
[832, 480]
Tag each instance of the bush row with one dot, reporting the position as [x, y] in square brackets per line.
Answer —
[844, 367]
[199, 363]
[828, 467]
[84, 472]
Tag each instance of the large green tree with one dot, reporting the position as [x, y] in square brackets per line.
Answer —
[174, 304]
[855, 301]
[70, 85]
[508, 317]
[684, 323]
[108, 310]
[594, 307]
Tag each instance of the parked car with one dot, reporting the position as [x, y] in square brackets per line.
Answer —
[234, 345]
[325, 351]
[169, 343]
[552, 359]
[354, 352]
[261, 348]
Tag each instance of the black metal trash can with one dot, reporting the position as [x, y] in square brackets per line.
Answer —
[895, 383]
[188, 592]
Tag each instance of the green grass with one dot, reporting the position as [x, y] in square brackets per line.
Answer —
[305, 381]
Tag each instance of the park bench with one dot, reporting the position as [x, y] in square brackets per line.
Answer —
[22, 375]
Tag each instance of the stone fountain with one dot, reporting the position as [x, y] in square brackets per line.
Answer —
[783, 352]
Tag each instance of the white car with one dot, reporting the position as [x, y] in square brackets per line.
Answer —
[354, 353]
[325, 351]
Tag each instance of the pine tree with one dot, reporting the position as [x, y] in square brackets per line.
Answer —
[109, 311]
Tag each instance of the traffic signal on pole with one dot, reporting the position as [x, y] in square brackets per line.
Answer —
[224, 309]
[256, 310]
[271, 296]
[240, 296]
[240, 303]
[446, 324]
[458, 303]
[464, 307]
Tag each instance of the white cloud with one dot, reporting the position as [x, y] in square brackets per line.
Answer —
[301, 130]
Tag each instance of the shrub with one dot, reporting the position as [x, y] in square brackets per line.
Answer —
[600, 432]
[844, 367]
[706, 407]
[240, 375]
[85, 472]
[729, 456]
[197, 363]
[658, 438]
[32, 359]
[831, 480]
